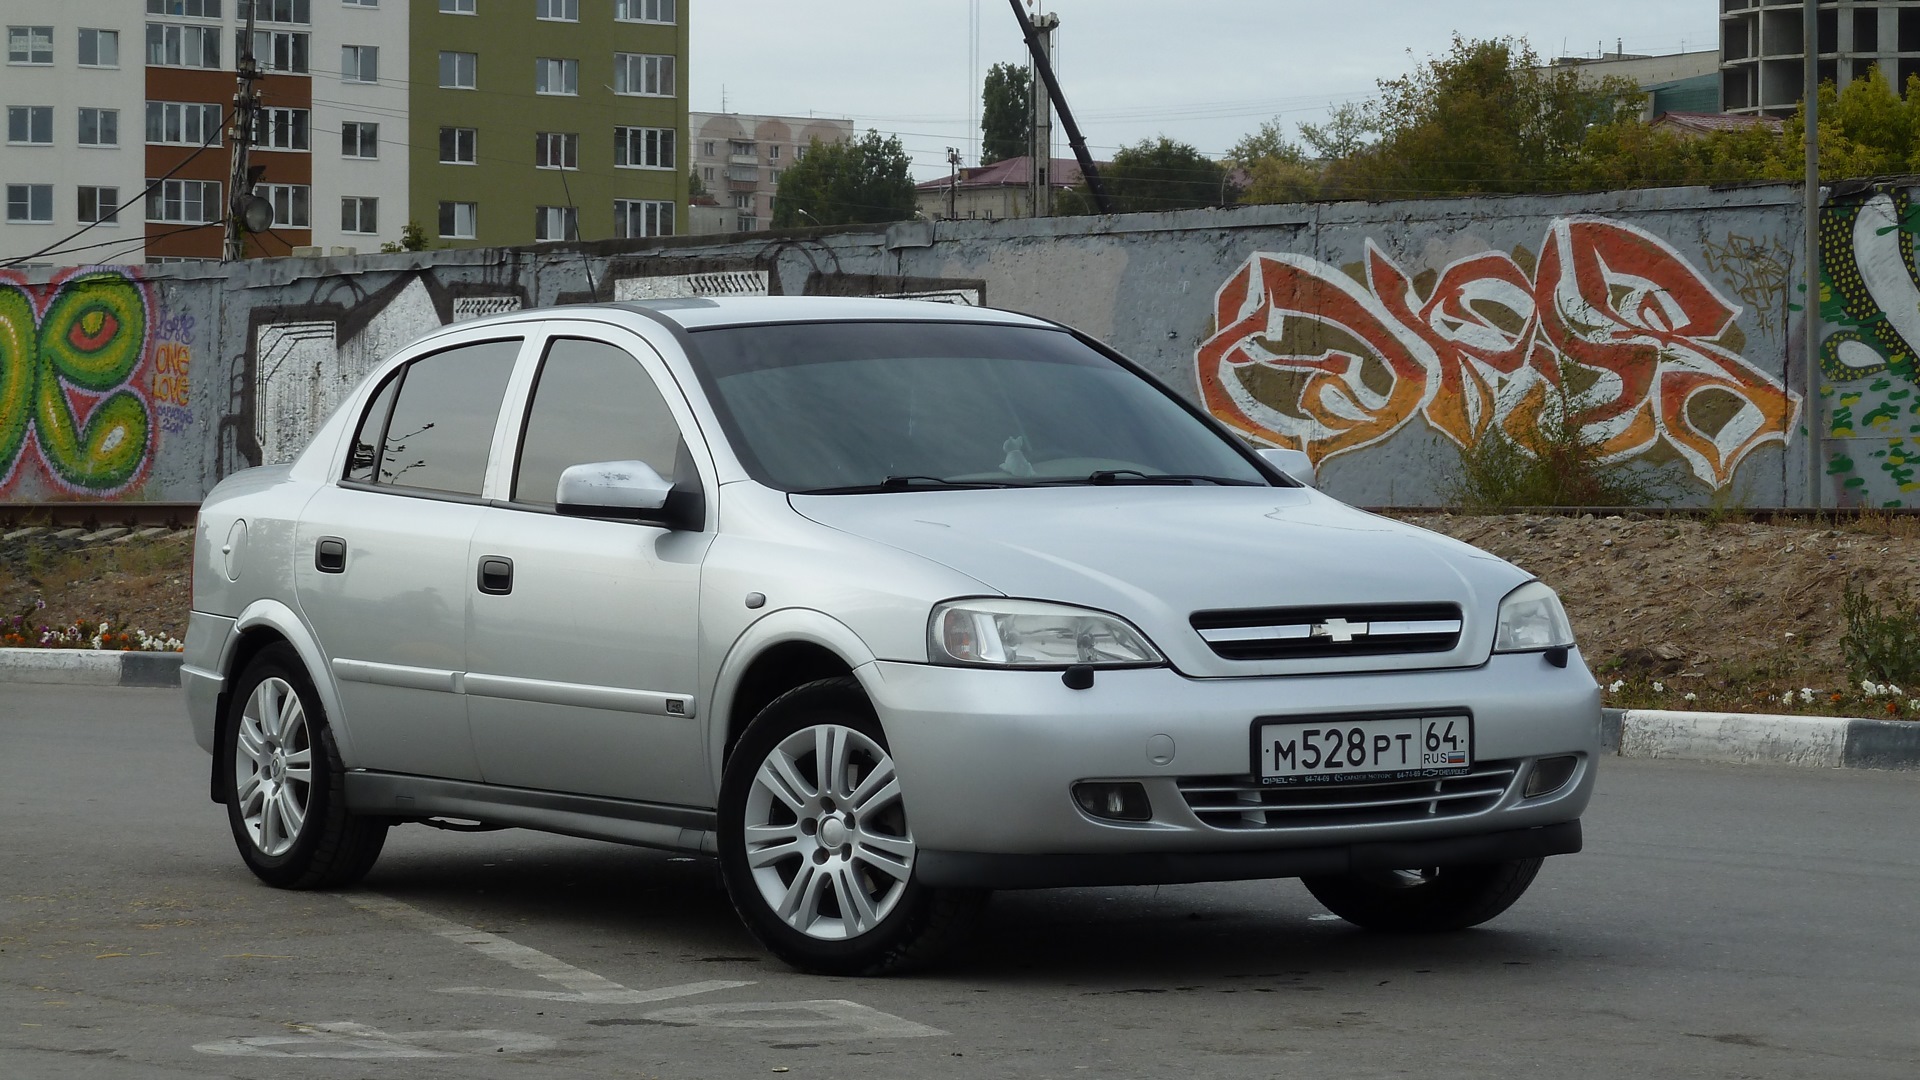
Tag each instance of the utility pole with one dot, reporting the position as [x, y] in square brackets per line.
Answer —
[1088, 170]
[1810, 307]
[245, 101]
[953, 183]
[1040, 153]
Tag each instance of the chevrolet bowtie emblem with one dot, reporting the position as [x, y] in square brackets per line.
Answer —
[1339, 630]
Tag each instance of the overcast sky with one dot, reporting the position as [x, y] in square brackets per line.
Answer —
[1204, 72]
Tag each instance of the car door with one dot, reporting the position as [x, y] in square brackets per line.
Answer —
[581, 650]
[381, 557]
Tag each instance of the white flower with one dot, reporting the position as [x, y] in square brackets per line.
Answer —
[1614, 686]
[1789, 635]
[1693, 697]
[1869, 687]
[1786, 698]
[1806, 695]
[1914, 704]
[1891, 689]
[1659, 689]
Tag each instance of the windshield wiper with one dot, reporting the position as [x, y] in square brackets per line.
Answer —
[906, 483]
[1101, 477]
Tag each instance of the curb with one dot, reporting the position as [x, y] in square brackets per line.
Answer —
[82, 667]
[1818, 742]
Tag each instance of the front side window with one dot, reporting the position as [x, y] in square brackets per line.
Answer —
[359, 139]
[360, 63]
[457, 145]
[634, 218]
[556, 150]
[30, 204]
[99, 205]
[643, 148]
[99, 127]
[592, 402]
[290, 209]
[459, 70]
[282, 129]
[431, 426]
[30, 125]
[835, 406]
[459, 220]
[645, 74]
[359, 214]
[99, 48]
[555, 76]
[29, 44]
[555, 223]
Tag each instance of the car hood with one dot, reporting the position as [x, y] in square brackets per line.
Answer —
[1157, 554]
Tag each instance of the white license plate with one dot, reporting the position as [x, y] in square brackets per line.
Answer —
[1335, 749]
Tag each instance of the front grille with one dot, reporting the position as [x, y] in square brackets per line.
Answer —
[1235, 802]
[1305, 633]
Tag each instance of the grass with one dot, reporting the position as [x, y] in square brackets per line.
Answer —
[1555, 464]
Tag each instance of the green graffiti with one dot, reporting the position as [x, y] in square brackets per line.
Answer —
[90, 340]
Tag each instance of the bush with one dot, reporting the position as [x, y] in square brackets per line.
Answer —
[1881, 642]
[1557, 465]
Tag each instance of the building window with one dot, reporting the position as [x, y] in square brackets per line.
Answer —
[558, 10]
[743, 201]
[183, 46]
[556, 150]
[643, 148]
[643, 73]
[653, 11]
[99, 48]
[738, 148]
[278, 51]
[799, 153]
[457, 220]
[708, 148]
[99, 206]
[360, 63]
[642, 217]
[359, 214]
[456, 7]
[289, 204]
[459, 70]
[189, 202]
[29, 45]
[457, 145]
[189, 9]
[280, 11]
[745, 223]
[30, 125]
[99, 127]
[555, 223]
[773, 152]
[282, 129]
[30, 204]
[552, 76]
[706, 174]
[180, 123]
[359, 139]
[361, 3]
[773, 177]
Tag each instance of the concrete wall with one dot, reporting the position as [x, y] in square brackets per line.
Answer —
[1381, 338]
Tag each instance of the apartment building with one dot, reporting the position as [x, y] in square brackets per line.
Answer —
[739, 159]
[1763, 48]
[486, 122]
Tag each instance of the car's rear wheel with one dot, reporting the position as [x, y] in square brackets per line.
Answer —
[285, 787]
[1430, 900]
[815, 846]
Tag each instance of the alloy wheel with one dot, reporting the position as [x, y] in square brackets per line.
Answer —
[273, 766]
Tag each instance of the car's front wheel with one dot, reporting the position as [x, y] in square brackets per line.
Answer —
[815, 846]
[1430, 900]
[284, 781]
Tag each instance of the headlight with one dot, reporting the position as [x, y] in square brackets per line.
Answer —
[1531, 619]
[1027, 633]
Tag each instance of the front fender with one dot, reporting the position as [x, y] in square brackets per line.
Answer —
[775, 628]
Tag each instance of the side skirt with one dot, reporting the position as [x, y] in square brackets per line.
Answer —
[672, 828]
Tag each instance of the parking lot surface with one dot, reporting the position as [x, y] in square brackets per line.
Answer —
[1724, 921]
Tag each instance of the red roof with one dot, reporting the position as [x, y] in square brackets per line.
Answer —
[1701, 123]
[1013, 172]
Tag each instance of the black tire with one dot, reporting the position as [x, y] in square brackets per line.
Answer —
[914, 924]
[1434, 900]
[327, 847]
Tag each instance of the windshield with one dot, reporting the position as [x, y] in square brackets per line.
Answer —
[846, 407]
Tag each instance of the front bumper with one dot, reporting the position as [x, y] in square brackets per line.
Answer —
[987, 758]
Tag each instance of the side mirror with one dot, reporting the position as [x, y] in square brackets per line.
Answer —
[622, 489]
[1294, 463]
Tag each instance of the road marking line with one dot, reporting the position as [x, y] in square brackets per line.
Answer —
[818, 1018]
[581, 985]
[346, 1040]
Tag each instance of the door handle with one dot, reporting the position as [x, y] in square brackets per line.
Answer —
[330, 555]
[496, 575]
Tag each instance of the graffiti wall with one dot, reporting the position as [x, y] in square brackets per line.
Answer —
[1382, 339]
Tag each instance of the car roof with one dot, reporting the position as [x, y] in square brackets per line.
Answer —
[701, 313]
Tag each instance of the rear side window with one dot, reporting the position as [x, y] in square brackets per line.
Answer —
[593, 402]
[431, 426]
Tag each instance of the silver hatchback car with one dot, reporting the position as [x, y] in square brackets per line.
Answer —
[886, 605]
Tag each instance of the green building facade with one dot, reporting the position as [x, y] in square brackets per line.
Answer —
[538, 120]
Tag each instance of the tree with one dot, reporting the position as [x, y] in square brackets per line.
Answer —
[1006, 113]
[1276, 170]
[695, 188]
[412, 238]
[862, 181]
[1155, 174]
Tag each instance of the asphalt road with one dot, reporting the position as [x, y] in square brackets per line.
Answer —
[1725, 921]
